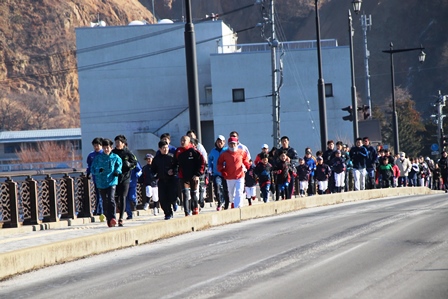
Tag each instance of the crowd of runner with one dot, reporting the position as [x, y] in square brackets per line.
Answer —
[180, 175]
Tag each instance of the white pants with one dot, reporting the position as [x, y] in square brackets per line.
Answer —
[154, 192]
[339, 179]
[250, 192]
[303, 185]
[359, 176]
[322, 185]
[236, 189]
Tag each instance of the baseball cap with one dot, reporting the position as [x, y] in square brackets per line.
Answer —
[220, 137]
[233, 140]
[338, 152]
[319, 158]
[149, 156]
[308, 152]
[265, 146]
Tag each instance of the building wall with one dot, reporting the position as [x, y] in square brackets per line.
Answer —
[132, 81]
[299, 111]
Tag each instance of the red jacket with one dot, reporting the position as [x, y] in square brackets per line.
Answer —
[230, 164]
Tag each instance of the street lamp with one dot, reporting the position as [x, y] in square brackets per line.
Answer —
[357, 5]
[421, 59]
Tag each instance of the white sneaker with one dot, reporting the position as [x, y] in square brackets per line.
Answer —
[156, 211]
[146, 207]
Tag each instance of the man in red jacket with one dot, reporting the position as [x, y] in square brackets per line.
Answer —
[231, 164]
[191, 166]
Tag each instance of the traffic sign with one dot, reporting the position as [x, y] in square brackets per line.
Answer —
[434, 147]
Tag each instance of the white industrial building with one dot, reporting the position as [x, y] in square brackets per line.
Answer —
[132, 81]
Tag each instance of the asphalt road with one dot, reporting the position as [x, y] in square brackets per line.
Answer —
[388, 248]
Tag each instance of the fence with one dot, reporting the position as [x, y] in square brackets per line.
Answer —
[30, 201]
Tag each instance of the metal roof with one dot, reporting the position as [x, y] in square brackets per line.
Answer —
[40, 135]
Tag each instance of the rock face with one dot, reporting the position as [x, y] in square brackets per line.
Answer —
[38, 57]
[39, 85]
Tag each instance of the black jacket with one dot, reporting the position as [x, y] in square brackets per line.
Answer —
[161, 164]
[129, 162]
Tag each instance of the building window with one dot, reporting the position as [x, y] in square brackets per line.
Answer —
[238, 95]
[328, 90]
[208, 95]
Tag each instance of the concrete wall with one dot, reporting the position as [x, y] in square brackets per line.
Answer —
[299, 111]
[132, 81]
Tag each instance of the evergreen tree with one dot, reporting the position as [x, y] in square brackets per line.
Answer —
[410, 126]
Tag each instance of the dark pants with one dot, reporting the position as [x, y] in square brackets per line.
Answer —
[190, 192]
[98, 202]
[264, 189]
[122, 193]
[370, 178]
[311, 187]
[108, 196]
[402, 181]
[167, 195]
[221, 191]
[282, 191]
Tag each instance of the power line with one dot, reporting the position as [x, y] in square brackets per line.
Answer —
[127, 40]
[117, 61]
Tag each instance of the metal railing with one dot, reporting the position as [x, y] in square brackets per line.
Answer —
[258, 47]
[28, 200]
[40, 166]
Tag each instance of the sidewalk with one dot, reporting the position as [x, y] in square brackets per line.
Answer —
[12, 239]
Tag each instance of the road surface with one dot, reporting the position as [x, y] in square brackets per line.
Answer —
[387, 248]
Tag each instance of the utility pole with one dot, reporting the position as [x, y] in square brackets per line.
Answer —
[275, 92]
[366, 22]
[438, 119]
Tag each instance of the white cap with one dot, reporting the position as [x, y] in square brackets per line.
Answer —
[265, 146]
[221, 138]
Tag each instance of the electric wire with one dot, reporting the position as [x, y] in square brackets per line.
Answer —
[298, 81]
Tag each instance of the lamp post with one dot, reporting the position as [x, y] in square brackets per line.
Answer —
[421, 58]
[352, 68]
[351, 31]
[321, 86]
[321, 82]
[192, 73]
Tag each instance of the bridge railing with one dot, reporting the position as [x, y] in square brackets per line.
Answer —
[32, 199]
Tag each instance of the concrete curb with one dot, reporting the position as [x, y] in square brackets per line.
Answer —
[16, 262]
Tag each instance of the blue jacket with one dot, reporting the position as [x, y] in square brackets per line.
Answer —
[90, 159]
[358, 155]
[135, 174]
[111, 165]
[372, 157]
[311, 165]
[213, 160]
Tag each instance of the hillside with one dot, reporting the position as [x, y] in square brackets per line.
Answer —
[39, 83]
[39, 86]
